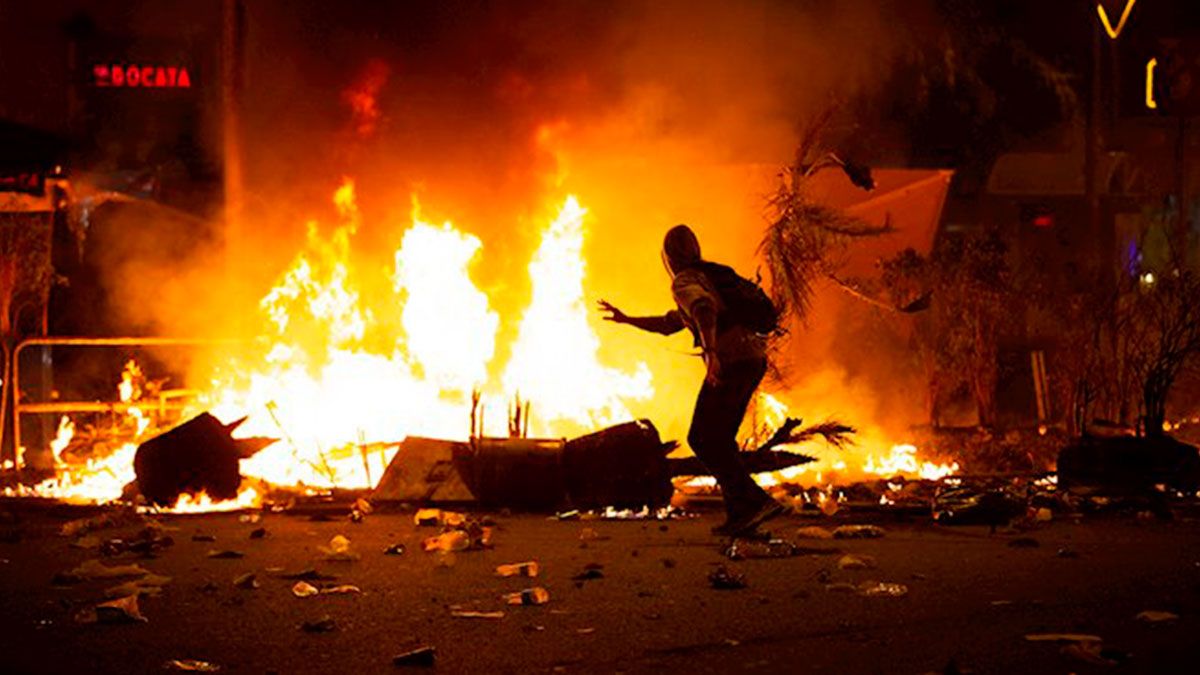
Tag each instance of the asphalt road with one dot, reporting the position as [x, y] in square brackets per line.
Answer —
[972, 598]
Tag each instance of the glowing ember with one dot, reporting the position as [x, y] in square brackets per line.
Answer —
[902, 461]
[247, 498]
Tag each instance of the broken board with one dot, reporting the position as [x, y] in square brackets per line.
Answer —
[424, 470]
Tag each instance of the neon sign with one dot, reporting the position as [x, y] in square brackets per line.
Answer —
[26, 182]
[141, 76]
[1150, 102]
[1108, 27]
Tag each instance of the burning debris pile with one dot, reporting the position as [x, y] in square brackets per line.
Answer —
[341, 386]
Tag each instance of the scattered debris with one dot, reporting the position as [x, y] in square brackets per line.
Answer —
[86, 542]
[435, 517]
[883, 589]
[454, 540]
[814, 532]
[227, 554]
[258, 533]
[1156, 616]
[303, 589]
[308, 574]
[421, 656]
[251, 518]
[1094, 653]
[856, 562]
[529, 596]
[151, 584]
[395, 549]
[473, 614]
[1088, 648]
[344, 589]
[109, 519]
[858, 532]
[203, 537]
[247, 581]
[361, 509]
[972, 505]
[590, 572]
[869, 589]
[148, 542]
[1067, 553]
[191, 666]
[589, 534]
[121, 610]
[524, 569]
[325, 624]
[745, 549]
[94, 569]
[725, 580]
[339, 550]
[462, 535]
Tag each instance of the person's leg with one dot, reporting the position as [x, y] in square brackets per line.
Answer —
[713, 435]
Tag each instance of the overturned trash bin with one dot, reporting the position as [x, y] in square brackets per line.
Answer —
[1128, 465]
[199, 455]
[624, 466]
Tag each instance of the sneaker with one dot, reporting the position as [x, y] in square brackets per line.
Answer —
[735, 529]
[747, 525]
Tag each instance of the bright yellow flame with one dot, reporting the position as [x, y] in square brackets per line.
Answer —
[66, 432]
[130, 391]
[130, 388]
[902, 461]
[554, 362]
[331, 398]
[247, 498]
[1108, 28]
[98, 480]
[451, 329]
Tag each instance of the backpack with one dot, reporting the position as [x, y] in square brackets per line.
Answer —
[746, 304]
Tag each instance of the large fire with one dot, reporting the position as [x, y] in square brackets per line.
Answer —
[340, 375]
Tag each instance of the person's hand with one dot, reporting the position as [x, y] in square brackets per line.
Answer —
[614, 314]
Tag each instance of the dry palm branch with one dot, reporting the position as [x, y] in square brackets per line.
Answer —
[765, 458]
[805, 238]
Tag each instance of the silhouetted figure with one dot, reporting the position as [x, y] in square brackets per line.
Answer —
[735, 358]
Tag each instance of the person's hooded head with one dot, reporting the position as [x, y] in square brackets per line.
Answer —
[681, 249]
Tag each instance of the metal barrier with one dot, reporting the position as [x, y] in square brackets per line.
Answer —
[4, 392]
[164, 404]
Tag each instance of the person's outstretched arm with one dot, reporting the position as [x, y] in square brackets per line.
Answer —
[666, 324]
